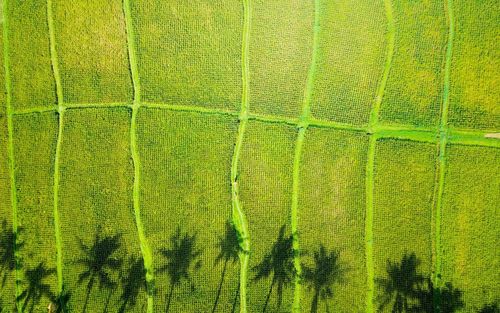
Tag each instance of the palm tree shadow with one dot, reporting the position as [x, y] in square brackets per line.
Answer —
[490, 308]
[37, 288]
[327, 271]
[99, 262]
[410, 291]
[9, 244]
[133, 283]
[229, 249]
[278, 263]
[182, 258]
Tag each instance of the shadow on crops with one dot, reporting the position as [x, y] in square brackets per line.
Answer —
[182, 258]
[133, 283]
[100, 262]
[8, 240]
[37, 288]
[228, 252]
[490, 308]
[278, 264]
[410, 291]
[327, 271]
[60, 303]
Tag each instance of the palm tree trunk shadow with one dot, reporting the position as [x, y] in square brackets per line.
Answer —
[235, 301]
[87, 296]
[169, 299]
[314, 304]
[269, 295]
[220, 285]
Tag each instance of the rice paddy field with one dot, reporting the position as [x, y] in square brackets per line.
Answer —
[250, 156]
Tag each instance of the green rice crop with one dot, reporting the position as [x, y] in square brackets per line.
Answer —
[470, 224]
[332, 213]
[414, 89]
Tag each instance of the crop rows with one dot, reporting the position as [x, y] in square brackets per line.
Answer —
[164, 179]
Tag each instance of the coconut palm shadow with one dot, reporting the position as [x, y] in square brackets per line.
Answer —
[490, 308]
[411, 291]
[182, 258]
[9, 243]
[133, 283]
[327, 271]
[99, 262]
[60, 303]
[228, 251]
[278, 263]
[37, 288]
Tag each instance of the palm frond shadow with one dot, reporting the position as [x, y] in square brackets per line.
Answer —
[410, 291]
[182, 258]
[37, 288]
[328, 270]
[490, 308]
[229, 249]
[133, 283]
[100, 263]
[9, 244]
[278, 264]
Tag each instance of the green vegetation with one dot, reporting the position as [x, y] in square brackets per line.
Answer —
[185, 185]
[94, 68]
[414, 88]
[148, 146]
[474, 71]
[403, 215]
[350, 60]
[470, 223]
[331, 199]
[204, 67]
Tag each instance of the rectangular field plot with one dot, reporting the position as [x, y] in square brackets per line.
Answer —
[92, 48]
[265, 188]
[7, 278]
[350, 59]
[192, 52]
[470, 229]
[100, 245]
[402, 222]
[475, 66]
[186, 204]
[34, 182]
[281, 40]
[414, 89]
[332, 219]
[31, 71]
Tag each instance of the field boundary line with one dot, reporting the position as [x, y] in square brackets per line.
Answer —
[238, 217]
[147, 254]
[302, 125]
[60, 110]
[10, 147]
[370, 163]
[442, 151]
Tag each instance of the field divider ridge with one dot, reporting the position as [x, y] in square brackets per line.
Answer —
[146, 252]
[10, 148]
[375, 133]
[302, 125]
[238, 218]
[444, 133]
[57, 157]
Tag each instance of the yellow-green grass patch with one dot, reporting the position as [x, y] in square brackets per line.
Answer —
[470, 225]
[475, 65]
[351, 52]
[7, 278]
[403, 199]
[92, 48]
[34, 178]
[265, 184]
[192, 53]
[414, 89]
[31, 73]
[332, 214]
[95, 202]
[185, 187]
[281, 39]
